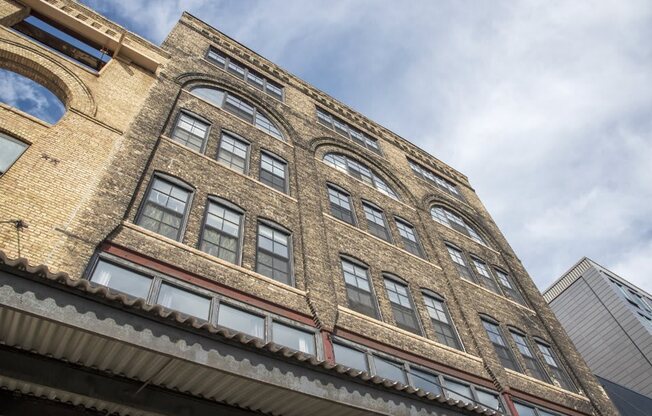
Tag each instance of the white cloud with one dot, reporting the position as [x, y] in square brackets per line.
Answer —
[545, 105]
[28, 96]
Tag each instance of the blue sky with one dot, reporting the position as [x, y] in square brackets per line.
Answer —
[545, 105]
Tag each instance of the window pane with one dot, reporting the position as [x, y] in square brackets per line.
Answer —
[524, 410]
[358, 171]
[442, 322]
[294, 338]
[241, 321]
[458, 391]
[273, 172]
[121, 279]
[427, 382]
[389, 369]
[502, 349]
[164, 209]
[233, 153]
[358, 289]
[190, 132]
[488, 399]
[29, 96]
[212, 95]
[350, 357]
[10, 150]
[376, 222]
[184, 301]
[340, 204]
[273, 257]
[221, 234]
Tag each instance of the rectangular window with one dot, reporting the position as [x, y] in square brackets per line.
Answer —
[10, 150]
[183, 301]
[340, 204]
[221, 233]
[350, 357]
[376, 222]
[434, 179]
[458, 391]
[273, 172]
[508, 287]
[241, 321]
[389, 369]
[358, 289]
[442, 322]
[121, 279]
[531, 362]
[239, 108]
[347, 131]
[558, 373]
[252, 77]
[233, 153]
[489, 400]
[273, 257]
[500, 345]
[164, 209]
[190, 132]
[294, 338]
[427, 382]
[402, 306]
[409, 237]
[485, 276]
[458, 258]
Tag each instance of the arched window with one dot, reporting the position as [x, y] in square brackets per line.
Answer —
[30, 97]
[359, 171]
[239, 107]
[454, 221]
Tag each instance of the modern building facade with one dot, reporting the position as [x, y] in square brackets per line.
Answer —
[238, 242]
[610, 323]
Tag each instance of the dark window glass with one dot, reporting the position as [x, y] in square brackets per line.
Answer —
[389, 369]
[436, 180]
[460, 263]
[402, 306]
[216, 57]
[502, 349]
[121, 279]
[409, 237]
[508, 287]
[233, 152]
[273, 172]
[190, 132]
[347, 131]
[350, 357]
[164, 208]
[376, 222]
[10, 150]
[454, 221]
[273, 258]
[358, 289]
[340, 204]
[359, 171]
[442, 322]
[530, 360]
[241, 321]
[184, 301]
[221, 234]
[294, 338]
[558, 373]
[427, 382]
[485, 276]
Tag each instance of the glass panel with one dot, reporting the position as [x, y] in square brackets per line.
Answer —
[30, 97]
[212, 95]
[350, 357]
[488, 399]
[121, 279]
[10, 150]
[458, 391]
[294, 338]
[241, 321]
[233, 153]
[389, 369]
[524, 410]
[427, 382]
[184, 301]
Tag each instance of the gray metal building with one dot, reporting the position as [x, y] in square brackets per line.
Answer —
[610, 322]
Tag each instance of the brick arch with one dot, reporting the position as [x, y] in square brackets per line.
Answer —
[192, 79]
[322, 145]
[430, 201]
[37, 66]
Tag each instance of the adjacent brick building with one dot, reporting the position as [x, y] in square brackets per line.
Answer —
[221, 236]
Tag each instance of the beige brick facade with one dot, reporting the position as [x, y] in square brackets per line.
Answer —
[81, 183]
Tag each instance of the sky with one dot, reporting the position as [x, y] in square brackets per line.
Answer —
[545, 105]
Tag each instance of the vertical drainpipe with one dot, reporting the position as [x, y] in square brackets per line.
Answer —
[507, 398]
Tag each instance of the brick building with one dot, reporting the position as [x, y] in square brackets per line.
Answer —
[221, 236]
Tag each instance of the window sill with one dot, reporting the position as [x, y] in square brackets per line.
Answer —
[213, 259]
[367, 185]
[407, 333]
[240, 120]
[531, 311]
[215, 162]
[465, 236]
[550, 386]
[346, 224]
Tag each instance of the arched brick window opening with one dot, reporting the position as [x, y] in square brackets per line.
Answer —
[30, 97]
